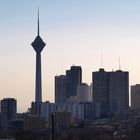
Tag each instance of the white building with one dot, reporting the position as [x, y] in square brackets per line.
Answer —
[80, 113]
[84, 93]
[47, 108]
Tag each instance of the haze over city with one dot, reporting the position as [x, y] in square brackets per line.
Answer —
[75, 32]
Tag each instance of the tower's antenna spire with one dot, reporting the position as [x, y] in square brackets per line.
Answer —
[38, 23]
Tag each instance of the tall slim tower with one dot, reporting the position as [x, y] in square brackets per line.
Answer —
[38, 46]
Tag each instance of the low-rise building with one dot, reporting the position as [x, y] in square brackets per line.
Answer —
[47, 108]
[135, 96]
[62, 119]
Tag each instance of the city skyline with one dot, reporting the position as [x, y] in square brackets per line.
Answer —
[76, 32]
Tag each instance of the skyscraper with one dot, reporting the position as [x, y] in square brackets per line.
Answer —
[111, 90]
[74, 78]
[60, 89]
[100, 90]
[9, 108]
[38, 46]
[118, 91]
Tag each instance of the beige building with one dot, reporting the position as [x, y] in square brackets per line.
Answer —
[135, 96]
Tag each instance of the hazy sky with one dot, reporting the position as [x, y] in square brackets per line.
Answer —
[76, 32]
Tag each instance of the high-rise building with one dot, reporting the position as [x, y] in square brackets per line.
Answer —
[9, 108]
[84, 93]
[118, 91]
[38, 46]
[74, 78]
[135, 96]
[60, 89]
[100, 90]
[111, 90]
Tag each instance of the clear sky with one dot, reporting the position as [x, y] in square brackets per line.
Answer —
[76, 32]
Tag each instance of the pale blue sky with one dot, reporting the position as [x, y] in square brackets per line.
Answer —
[75, 31]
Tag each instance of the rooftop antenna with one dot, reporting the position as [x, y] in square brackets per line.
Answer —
[101, 60]
[119, 64]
